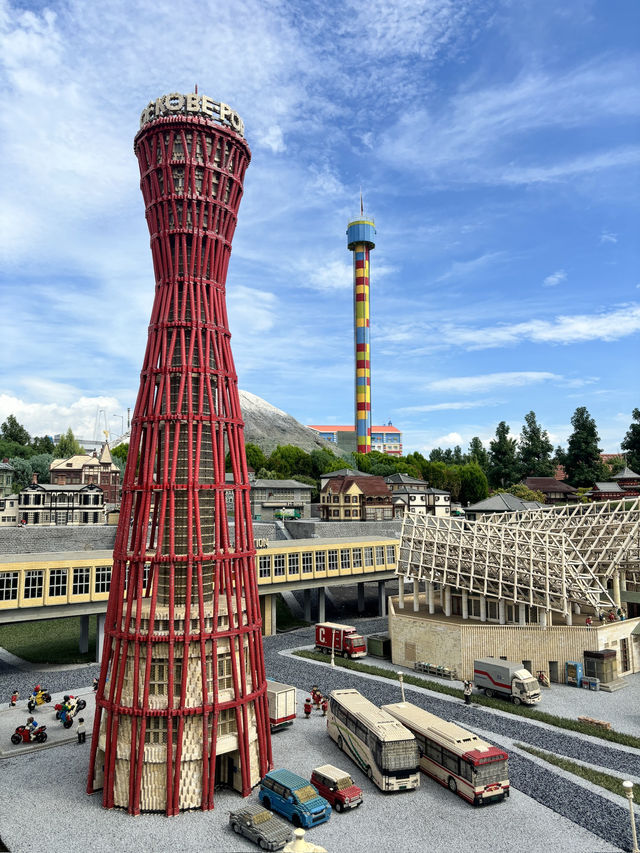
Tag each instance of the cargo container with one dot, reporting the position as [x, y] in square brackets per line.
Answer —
[282, 704]
[345, 640]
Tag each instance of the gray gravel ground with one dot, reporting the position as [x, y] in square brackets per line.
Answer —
[40, 805]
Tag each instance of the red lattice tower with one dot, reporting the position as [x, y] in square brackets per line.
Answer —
[181, 704]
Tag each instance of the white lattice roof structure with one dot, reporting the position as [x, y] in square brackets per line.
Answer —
[606, 534]
[524, 562]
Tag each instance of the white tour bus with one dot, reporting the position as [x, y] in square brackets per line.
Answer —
[463, 762]
[382, 748]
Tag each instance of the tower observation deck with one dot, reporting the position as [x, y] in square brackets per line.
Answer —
[181, 704]
[360, 240]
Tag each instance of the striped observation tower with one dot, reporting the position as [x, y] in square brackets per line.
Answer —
[360, 240]
[181, 706]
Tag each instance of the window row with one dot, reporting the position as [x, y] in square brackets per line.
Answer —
[57, 581]
[334, 559]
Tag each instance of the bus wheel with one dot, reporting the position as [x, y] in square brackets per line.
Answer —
[345, 655]
[369, 772]
[517, 700]
[452, 785]
[488, 692]
[340, 742]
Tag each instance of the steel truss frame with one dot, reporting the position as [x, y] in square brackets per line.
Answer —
[520, 565]
[183, 663]
[605, 533]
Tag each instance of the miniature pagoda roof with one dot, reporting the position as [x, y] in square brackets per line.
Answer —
[610, 487]
[626, 474]
[548, 484]
[501, 502]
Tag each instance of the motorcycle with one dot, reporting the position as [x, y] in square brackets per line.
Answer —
[23, 735]
[40, 698]
[66, 711]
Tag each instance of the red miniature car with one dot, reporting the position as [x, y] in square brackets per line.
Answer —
[337, 787]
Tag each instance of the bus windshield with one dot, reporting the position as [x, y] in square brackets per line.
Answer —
[399, 755]
[486, 774]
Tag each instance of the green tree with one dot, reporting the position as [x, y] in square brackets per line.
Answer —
[478, 453]
[474, 486]
[120, 451]
[11, 449]
[534, 449]
[11, 430]
[453, 481]
[519, 490]
[68, 446]
[631, 442]
[324, 461]
[435, 474]
[265, 474]
[582, 462]
[43, 444]
[287, 460]
[255, 457]
[40, 464]
[23, 472]
[503, 465]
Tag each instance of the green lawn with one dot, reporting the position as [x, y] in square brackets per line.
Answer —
[49, 641]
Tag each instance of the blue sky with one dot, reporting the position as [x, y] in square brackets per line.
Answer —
[497, 147]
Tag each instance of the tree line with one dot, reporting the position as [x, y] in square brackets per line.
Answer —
[469, 476]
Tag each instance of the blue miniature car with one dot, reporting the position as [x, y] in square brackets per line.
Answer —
[294, 798]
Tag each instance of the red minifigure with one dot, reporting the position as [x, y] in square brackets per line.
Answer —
[14, 698]
[307, 707]
[325, 706]
[316, 695]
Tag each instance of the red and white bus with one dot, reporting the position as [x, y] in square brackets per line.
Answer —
[458, 759]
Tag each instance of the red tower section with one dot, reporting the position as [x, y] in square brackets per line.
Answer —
[181, 705]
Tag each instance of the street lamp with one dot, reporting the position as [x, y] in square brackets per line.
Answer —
[628, 789]
[333, 647]
[401, 680]
[121, 423]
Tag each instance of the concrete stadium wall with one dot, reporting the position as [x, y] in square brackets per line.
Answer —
[414, 638]
[312, 529]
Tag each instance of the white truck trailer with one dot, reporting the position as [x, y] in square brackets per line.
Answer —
[506, 678]
[282, 704]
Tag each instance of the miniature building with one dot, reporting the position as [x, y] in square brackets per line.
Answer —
[100, 470]
[7, 473]
[360, 498]
[9, 511]
[47, 503]
[499, 503]
[181, 706]
[555, 491]
[534, 574]
[279, 499]
[385, 439]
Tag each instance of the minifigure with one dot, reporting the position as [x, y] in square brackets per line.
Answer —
[82, 734]
[325, 706]
[307, 707]
[468, 689]
[14, 698]
[588, 621]
[316, 696]
[95, 684]
[31, 726]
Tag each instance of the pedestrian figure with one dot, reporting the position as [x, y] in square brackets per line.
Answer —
[82, 734]
[325, 706]
[468, 688]
[307, 707]
[95, 684]
[588, 621]
[601, 616]
[14, 698]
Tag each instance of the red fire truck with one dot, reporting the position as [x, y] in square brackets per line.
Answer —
[344, 638]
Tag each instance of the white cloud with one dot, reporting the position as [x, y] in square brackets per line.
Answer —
[52, 418]
[608, 236]
[447, 407]
[489, 381]
[465, 269]
[555, 278]
[451, 439]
